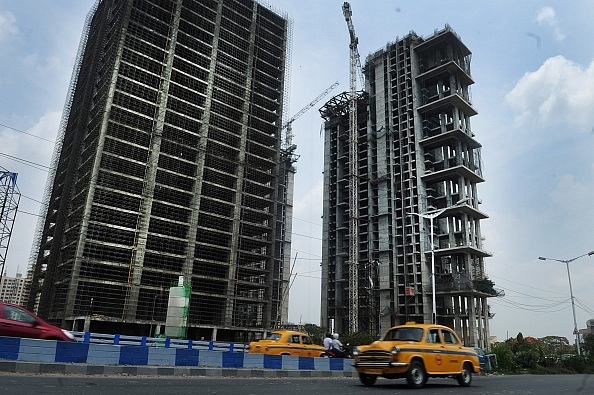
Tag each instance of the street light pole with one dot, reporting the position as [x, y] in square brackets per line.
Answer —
[567, 261]
[431, 215]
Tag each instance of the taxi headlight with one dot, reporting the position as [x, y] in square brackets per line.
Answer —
[395, 350]
[356, 351]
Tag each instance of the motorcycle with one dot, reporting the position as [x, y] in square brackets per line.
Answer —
[344, 352]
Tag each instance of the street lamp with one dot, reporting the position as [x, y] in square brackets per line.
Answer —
[566, 261]
[431, 215]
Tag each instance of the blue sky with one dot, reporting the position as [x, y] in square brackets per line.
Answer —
[534, 90]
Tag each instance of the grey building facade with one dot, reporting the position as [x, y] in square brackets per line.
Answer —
[170, 164]
[417, 158]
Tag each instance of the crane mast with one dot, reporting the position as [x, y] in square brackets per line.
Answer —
[353, 176]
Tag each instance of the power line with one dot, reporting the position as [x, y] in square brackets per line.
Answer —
[317, 257]
[301, 275]
[541, 308]
[26, 162]
[554, 306]
[530, 296]
[309, 259]
[30, 198]
[309, 222]
[309, 237]
[530, 308]
[28, 134]
[26, 212]
[584, 306]
[527, 286]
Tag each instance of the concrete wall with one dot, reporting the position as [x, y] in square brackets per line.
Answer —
[33, 350]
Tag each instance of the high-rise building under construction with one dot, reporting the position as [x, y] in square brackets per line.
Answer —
[170, 163]
[418, 166]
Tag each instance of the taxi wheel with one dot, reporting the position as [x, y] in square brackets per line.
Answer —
[416, 376]
[367, 379]
[465, 377]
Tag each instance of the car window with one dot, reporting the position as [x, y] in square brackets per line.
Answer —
[273, 336]
[448, 337]
[15, 314]
[433, 336]
[306, 340]
[294, 339]
[405, 334]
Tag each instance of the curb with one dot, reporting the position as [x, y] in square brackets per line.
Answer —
[175, 371]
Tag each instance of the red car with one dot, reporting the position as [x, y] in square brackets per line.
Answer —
[16, 321]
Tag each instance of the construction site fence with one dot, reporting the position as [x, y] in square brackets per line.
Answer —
[144, 341]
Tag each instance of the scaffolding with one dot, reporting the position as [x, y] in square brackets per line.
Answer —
[171, 166]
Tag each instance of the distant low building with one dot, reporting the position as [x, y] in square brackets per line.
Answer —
[589, 328]
[14, 289]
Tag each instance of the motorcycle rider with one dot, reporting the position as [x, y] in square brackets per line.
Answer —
[328, 344]
[337, 348]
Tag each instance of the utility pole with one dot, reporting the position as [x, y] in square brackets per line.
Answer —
[9, 204]
[567, 262]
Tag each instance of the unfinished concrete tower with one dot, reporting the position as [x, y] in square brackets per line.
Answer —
[170, 164]
[418, 158]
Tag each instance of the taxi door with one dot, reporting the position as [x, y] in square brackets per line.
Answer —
[307, 343]
[296, 346]
[453, 352]
[434, 357]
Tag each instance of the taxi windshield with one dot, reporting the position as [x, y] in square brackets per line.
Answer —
[273, 336]
[405, 334]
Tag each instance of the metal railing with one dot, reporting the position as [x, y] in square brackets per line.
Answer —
[144, 341]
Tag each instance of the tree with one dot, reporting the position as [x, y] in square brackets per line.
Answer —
[504, 354]
[588, 346]
[358, 338]
[555, 346]
[317, 333]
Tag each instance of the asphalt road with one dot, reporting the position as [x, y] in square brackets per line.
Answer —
[23, 384]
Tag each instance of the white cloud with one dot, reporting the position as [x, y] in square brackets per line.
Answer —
[574, 197]
[8, 26]
[42, 67]
[546, 16]
[559, 93]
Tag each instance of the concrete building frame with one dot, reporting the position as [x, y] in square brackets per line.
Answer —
[417, 155]
[169, 163]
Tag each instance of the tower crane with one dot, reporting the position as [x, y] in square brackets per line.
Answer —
[288, 141]
[355, 64]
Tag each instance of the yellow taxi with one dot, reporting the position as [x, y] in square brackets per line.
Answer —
[416, 352]
[285, 342]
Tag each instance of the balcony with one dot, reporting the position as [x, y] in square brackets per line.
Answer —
[461, 283]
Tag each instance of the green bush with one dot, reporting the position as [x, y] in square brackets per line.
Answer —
[317, 333]
[577, 364]
[526, 359]
[358, 338]
[505, 360]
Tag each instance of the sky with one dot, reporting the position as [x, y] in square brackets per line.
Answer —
[533, 67]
